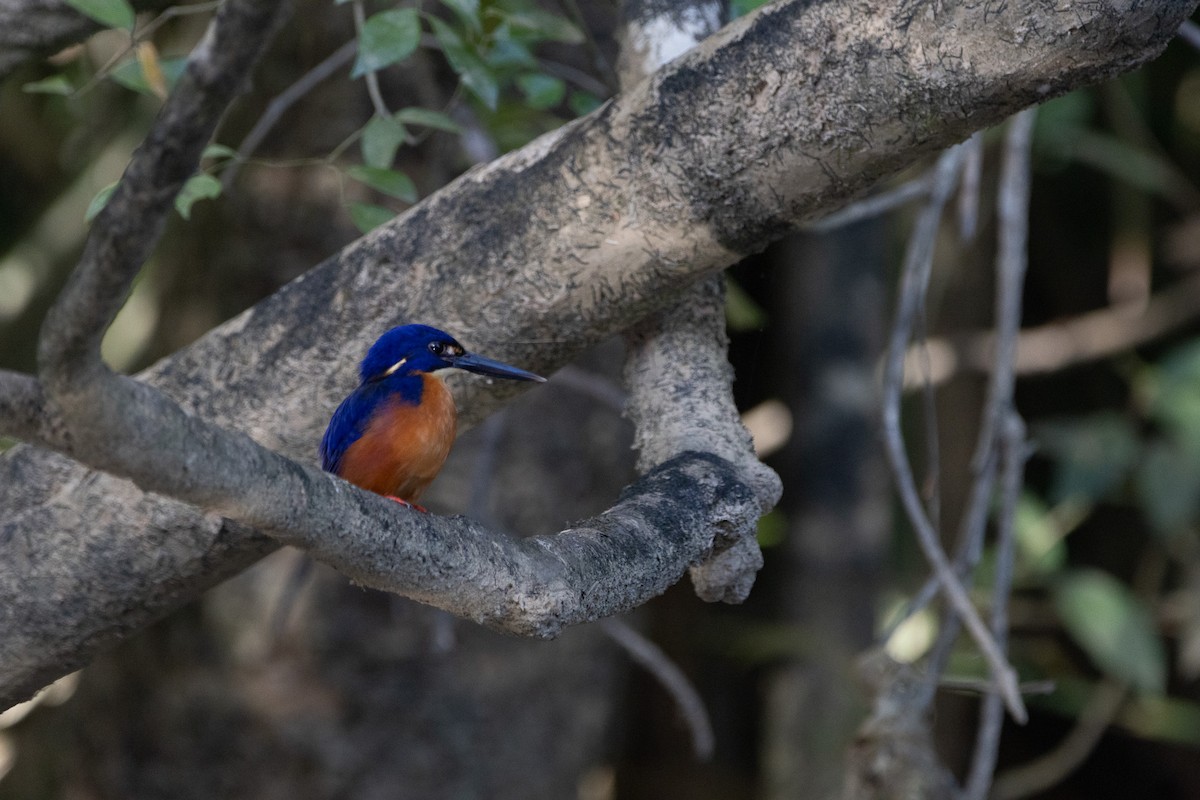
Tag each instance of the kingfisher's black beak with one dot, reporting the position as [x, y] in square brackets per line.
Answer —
[494, 369]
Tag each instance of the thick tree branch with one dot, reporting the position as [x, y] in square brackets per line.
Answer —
[535, 587]
[679, 400]
[785, 115]
[679, 378]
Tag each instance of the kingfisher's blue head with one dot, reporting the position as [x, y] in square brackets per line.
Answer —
[414, 349]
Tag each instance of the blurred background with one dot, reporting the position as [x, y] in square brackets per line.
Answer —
[288, 682]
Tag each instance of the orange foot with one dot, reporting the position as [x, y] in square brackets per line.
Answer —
[404, 502]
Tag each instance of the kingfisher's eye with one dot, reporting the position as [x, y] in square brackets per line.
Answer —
[437, 348]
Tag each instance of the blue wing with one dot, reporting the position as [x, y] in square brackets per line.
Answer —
[354, 415]
[346, 426]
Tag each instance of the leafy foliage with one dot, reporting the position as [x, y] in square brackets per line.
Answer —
[110, 13]
[387, 38]
[1113, 626]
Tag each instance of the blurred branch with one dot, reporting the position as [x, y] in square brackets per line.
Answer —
[286, 99]
[593, 385]
[484, 469]
[1044, 772]
[968, 192]
[1060, 345]
[1190, 33]
[991, 713]
[917, 267]
[371, 77]
[872, 206]
[576, 76]
[651, 658]
[1002, 427]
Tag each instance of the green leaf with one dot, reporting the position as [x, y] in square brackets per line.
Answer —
[381, 138]
[507, 55]
[474, 73]
[1168, 486]
[130, 74]
[1039, 537]
[55, 84]
[741, 312]
[427, 118]
[387, 38]
[772, 528]
[467, 12]
[1173, 395]
[109, 13]
[198, 187]
[1113, 627]
[99, 201]
[218, 152]
[543, 25]
[582, 103]
[1094, 454]
[389, 181]
[542, 91]
[740, 8]
[367, 217]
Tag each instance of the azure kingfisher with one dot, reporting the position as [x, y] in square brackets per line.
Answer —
[393, 433]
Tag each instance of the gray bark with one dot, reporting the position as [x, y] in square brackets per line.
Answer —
[783, 116]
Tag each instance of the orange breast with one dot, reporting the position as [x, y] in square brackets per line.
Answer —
[404, 446]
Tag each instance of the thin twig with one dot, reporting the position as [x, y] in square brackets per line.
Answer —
[991, 714]
[651, 658]
[171, 12]
[933, 448]
[918, 265]
[872, 206]
[599, 61]
[372, 79]
[576, 76]
[1011, 261]
[1190, 33]
[483, 472]
[968, 191]
[294, 583]
[593, 385]
[1013, 210]
[977, 686]
[1002, 425]
[285, 100]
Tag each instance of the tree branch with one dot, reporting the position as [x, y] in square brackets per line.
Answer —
[680, 399]
[677, 368]
[128, 227]
[712, 157]
[918, 263]
[1069, 342]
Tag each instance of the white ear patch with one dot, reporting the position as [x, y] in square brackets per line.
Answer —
[395, 367]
